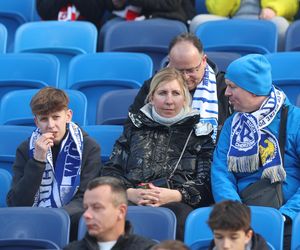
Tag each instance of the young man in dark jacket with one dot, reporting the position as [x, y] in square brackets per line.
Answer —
[53, 166]
[105, 203]
[230, 223]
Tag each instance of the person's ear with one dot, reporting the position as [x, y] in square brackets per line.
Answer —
[249, 235]
[122, 211]
[36, 121]
[69, 114]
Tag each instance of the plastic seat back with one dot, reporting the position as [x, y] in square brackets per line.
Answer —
[113, 106]
[27, 244]
[12, 114]
[5, 182]
[51, 224]
[243, 36]
[13, 14]
[157, 223]
[11, 138]
[285, 72]
[105, 136]
[27, 71]
[3, 38]
[292, 37]
[151, 36]
[62, 39]
[222, 59]
[95, 74]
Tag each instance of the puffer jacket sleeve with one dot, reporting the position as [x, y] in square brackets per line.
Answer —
[197, 192]
[222, 8]
[287, 8]
[116, 165]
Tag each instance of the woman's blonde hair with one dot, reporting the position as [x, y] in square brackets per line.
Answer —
[166, 75]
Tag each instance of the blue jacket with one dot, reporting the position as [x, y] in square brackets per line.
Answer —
[228, 185]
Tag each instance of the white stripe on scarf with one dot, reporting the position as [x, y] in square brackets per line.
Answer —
[205, 99]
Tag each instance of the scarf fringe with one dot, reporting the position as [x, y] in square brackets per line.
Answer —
[243, 164]
[275, 173]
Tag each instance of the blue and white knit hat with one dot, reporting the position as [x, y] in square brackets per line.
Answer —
[252, 73]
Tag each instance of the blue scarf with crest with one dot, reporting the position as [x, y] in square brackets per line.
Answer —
[252, 145]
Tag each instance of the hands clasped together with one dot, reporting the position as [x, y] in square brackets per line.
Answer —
[153, 196]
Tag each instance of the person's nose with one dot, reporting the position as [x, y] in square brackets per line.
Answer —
[226, 244]
[227, 91]
[51, 123]
[87, 214]
[169, 99]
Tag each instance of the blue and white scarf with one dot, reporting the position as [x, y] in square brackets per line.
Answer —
[59, 184]
[205, 99]
[251, 141]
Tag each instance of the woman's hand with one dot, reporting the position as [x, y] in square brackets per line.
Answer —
[165, 195]
[141, 196]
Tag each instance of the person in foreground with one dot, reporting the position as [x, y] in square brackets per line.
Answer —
[248, 150]
[230, 223]
[170, 245]
[164, 158]
[53, 166]
[105, 204]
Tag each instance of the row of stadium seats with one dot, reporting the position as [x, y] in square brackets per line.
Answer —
[26, 226]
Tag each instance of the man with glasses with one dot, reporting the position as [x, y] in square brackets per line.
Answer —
[205, 84]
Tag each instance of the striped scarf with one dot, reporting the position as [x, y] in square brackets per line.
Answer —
[205, 100]
[251, 142]
[59, 185]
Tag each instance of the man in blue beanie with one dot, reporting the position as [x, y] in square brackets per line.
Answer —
[248, 149]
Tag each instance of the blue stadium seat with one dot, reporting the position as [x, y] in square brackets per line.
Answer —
[95, 74]
[14, 13]
[105, 136]
[241, 36]
[151, 36]
[62, 39]
[292, 37]
[266, 221]
[12, 114]
[113, 106]
[5, 182]
[27, 71]
[222, 59]
[157, 223]
[11, 138]
[3, 38]
[286, 73]
[27, 244]
[51, 224]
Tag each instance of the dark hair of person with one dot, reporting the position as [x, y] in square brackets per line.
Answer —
[118, 189]
[230, 215]
[187, 37]
[49, 100]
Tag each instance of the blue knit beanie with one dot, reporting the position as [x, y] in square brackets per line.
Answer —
[252, 73]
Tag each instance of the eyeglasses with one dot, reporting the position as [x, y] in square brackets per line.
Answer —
[190, 71]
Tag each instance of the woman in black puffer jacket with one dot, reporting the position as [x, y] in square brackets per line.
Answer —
[147, 157]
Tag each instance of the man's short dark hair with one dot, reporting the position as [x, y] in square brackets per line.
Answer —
[230, 215]
[187, 37]
[118, 189]
[49, 100]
